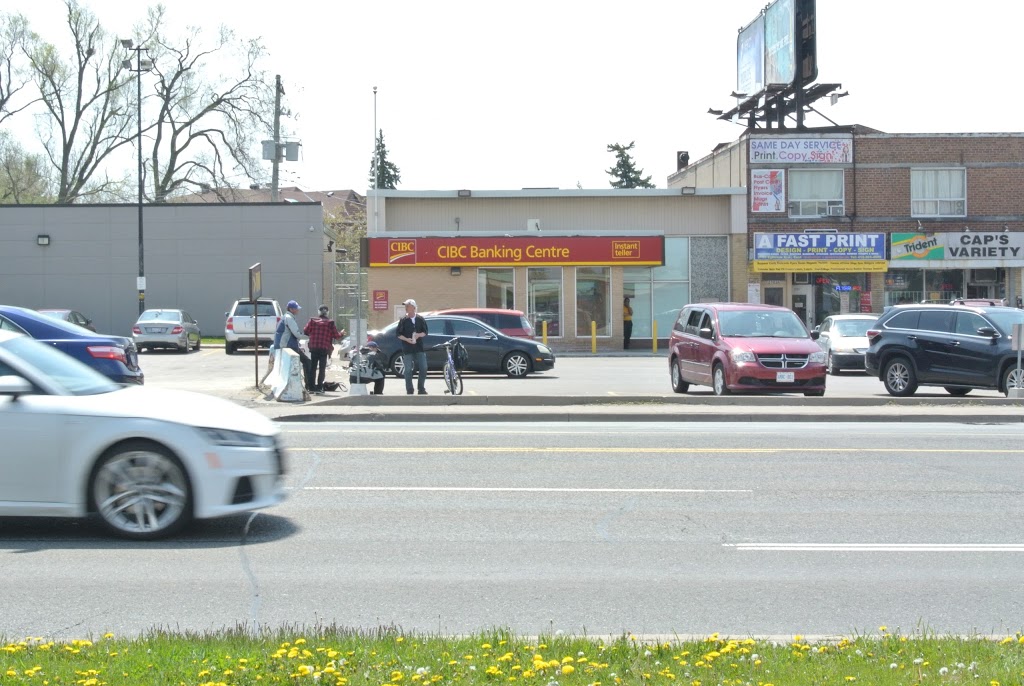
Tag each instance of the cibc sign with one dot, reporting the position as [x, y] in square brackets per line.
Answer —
[516, 250]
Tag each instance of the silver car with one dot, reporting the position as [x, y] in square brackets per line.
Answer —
[167, 329]
[844, 339]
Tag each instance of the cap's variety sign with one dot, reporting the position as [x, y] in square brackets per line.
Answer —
[516, 250]
[957, 246]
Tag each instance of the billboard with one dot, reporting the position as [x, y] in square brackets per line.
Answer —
[769, 49]
[511, 251]
[750, 58]
[801, 150]
[780, 43]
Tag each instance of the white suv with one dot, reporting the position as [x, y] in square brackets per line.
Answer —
[241, 325]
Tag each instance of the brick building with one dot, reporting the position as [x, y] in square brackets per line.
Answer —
[847, 219]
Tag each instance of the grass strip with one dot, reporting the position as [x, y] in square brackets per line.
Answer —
[387, 657]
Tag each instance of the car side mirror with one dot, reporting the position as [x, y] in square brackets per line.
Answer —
[14, 386]
[490, 336]
[707, 333]
[988, 331]
[815, 334]
[227, 314]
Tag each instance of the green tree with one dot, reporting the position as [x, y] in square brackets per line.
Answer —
[625, 174]
[14, 77]
[388, 174]
[24, 178]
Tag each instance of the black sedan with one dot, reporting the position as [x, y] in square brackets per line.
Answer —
[490, 351]
[113, 356]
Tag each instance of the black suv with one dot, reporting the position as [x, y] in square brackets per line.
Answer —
[956, 347]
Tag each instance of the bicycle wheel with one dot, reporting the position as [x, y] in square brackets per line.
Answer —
[452, 379]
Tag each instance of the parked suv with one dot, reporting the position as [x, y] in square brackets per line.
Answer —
[240, 325]
[958, 348]
[509, 322]
[743, 347]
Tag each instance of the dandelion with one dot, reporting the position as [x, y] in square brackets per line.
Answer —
[647, 653]
[568, 669]
[918, 661]
[943, 671]
[894, 666]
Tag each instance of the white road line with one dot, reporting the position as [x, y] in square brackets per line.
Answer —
[881, 547]
[503, 489]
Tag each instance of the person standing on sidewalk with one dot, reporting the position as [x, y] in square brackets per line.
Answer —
[412, 329]
[290, 335]
[627, 323]
[322, 333]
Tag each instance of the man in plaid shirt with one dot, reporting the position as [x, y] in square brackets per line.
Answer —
[322, 333]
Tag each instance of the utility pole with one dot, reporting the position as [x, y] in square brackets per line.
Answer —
[278, 92]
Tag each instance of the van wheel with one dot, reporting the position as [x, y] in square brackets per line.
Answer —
[1012, 378]
[957, 391]
[718, 381]
[899, 377]
[678, 385]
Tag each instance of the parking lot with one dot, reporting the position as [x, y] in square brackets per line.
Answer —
[233, 376]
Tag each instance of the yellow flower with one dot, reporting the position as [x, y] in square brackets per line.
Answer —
[851, 678]
[108, 635]
[485, 646]
[568, 669]
[883, 629]
[300, 641]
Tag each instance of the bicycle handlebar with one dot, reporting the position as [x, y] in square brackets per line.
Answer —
[446, 344]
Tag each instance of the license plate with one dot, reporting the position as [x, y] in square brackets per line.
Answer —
[785, 377]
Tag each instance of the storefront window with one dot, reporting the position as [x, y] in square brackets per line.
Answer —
[917, 285]
[593, 300]
[840, 294]
[544, 289]
[943, 285]
[495, 288]
[658, 293]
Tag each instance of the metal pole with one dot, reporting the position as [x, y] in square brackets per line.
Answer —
[376, 161]
[277, 138]
[142, 259]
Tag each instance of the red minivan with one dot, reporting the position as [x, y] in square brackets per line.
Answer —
[740, 347]
[509, 322]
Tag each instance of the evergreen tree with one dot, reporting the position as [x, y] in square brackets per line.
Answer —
[389, 175]
[625, 174]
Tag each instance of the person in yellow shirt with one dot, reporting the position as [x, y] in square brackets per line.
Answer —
[627, 323]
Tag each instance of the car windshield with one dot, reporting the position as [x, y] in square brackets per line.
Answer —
[853, 327]
[73, 377]
[1005, 319]
[747, 324]
[53, 314]
[161, 315]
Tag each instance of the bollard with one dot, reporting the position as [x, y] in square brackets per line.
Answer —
[593, 337]
[544, 331]
[654, 337]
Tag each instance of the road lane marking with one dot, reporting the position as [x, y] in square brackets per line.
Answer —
[631, 449]
[503, 489]
[881, 547]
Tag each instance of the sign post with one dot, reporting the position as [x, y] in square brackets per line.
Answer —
[1018, 345]
[255, 292]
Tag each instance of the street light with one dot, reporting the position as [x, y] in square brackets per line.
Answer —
[141, 65]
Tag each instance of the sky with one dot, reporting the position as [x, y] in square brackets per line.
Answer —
[488, 95]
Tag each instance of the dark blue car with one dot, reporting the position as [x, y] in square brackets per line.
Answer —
[113, 356]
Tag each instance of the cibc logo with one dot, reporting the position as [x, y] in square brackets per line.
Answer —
[402, 252]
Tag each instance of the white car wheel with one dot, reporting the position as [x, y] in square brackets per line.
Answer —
[517, 365]
[141, 491]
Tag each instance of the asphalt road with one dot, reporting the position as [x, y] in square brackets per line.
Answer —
[211, 371]
[765, 529]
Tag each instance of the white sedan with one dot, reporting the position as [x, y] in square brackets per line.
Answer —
[145, 460]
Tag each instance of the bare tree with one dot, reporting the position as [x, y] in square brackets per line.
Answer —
[85, 98]
[206, 128]
[14, 37]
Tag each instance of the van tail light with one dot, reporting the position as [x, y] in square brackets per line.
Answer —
[137, 331]
[873, 333]
[177, 329]
[230, 326]
[108, 352]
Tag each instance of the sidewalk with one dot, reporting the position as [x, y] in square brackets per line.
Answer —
[435, 408]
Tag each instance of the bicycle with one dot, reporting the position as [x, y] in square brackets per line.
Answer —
[452, 377]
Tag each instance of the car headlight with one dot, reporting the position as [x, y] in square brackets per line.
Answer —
[742, 356]
[543, 350]
[816, 357]
[237, 439]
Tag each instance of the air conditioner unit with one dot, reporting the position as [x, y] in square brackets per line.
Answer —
[836, 211]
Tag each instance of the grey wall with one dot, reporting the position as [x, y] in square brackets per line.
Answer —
[196, 256]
